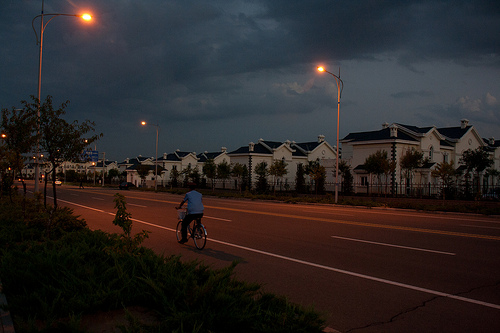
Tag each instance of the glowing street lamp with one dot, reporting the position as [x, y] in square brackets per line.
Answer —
[143, 123]
[43, 25]
[340, 87]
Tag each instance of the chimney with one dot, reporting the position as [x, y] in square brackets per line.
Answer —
[394, 131]
[251, 146]
[385, 125]
[492, 141]
[321, 138]
[223, 149]
[164, 156]
[464, 123]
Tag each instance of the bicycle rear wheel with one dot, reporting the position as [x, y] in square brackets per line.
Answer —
[178, 233]
[200, 236]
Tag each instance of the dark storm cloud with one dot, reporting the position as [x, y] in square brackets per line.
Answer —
[462, 31]
[410, 94]
[178, 61]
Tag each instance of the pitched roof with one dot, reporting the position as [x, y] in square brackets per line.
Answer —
[259, 148]
[454, 132]
[203, 157]
[421, 130]
[267, 147]
[380, 135]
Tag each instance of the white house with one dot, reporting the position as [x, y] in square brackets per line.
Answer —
[437, 145]
[291, 152]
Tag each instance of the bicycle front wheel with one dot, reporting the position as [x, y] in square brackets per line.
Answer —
[178, 233]
[200, 237]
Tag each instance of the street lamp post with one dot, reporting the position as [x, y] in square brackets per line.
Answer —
[43, 25]
[143, 123]
[340, 87]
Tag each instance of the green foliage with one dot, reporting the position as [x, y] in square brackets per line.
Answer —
[278, 170]
[51, 284]
[240, 171]
[317, 172]
[476, 160]
[262, 172]
[223, 171]
[126, 242]
[300, 180]
[18, 127]
[446, 173]
[377, 163]
[210, 171]
[143, 171]
[174, 177]
[347, 177]
[411, 160]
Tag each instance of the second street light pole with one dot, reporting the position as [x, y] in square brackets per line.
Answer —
[340, 87]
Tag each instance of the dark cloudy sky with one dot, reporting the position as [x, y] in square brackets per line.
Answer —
[224, 73]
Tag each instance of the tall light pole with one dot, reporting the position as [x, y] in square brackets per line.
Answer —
[340, 87]
[143, 123]
[43, 25]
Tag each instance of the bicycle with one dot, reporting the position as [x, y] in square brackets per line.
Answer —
[198, 232]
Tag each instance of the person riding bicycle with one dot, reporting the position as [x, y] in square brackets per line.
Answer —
[194, 209]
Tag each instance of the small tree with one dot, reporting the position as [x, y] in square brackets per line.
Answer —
[223, 172]
[347, 178]
[59, 140]
[123, 219]
[210, 171]
[377, 164]
[278, 170]
[19, 137]
[476, 160]
[174, 177]
[300, 179]
[317, 172]
[240, 171]
[262, 172]
[411, 160]
[143, 171]
[446, 173]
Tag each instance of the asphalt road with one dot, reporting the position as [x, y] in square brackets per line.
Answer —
[368, 270]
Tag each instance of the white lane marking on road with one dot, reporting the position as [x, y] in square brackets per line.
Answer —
[216, 218]
[87, 207]
[96, 198]
[479, 226]
[328, 268]
[393, 245]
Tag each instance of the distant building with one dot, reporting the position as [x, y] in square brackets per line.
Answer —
[436, 144]
[291, 152]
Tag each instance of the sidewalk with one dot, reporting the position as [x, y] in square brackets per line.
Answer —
[6, 324]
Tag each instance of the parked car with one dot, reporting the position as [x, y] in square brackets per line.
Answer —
[126, 185]
[58, 182]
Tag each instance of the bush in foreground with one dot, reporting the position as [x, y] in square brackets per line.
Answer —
[51, 283]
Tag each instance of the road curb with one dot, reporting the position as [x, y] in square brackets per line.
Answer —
[6, 323]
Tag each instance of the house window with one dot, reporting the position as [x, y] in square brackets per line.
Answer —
[445, 158]
[364, 180]
[431, 153]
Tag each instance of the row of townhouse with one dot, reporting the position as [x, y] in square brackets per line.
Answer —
[437, 145]
[445, 144]
[89, 169]
[291, 152]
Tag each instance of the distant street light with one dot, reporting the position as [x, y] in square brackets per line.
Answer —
[143, 123]
[43, 25]
[340, 87]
